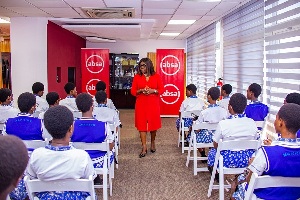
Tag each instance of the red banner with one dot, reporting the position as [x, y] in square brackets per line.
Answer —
[94, 68]
[170, 66]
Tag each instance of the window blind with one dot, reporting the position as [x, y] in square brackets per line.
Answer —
[201, 61]
[282, 47]
[243, 46]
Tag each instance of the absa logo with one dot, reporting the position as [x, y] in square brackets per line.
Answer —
[91, 86]
[94, 64]
[171, 94]
[170, 65]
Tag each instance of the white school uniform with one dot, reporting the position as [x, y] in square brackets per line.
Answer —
[109, 103]
[191, 104]
[48, 165]
[70, 103]
[224, 104]
[213, 114]
[7, 112]
[236, 128]
[106, 114]
[41, 104]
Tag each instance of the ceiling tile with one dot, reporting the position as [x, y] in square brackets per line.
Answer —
[198, 5]
[158, 11]
[86, 3]
[208, 17]
[227, 5]
[62, 12]
[185, 17]
[179, 28]
[196, 12]
[26, 10]
[48, 3]
[161, 4]
[14, 3]
[123, 3]
[218, 12]
[8, 13]
[158, 17]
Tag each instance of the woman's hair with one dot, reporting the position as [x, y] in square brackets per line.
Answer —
[214, 93]
[149, 66]
[238, 103]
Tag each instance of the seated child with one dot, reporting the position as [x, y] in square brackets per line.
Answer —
[225, 92]
[53, 100]
[60, 160]
[102, 113]
[101, 86]
[255, 110]
[293, 98]
[69, 101]
[190, 104]
[213, 114]
[38, 91]
[25, 126]
[237, 126]
[6, 110]
[14, 158]
[90, 130]
[279, 159]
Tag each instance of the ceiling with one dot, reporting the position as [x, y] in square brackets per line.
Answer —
[151, 16]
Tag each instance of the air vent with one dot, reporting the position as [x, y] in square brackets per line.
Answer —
[109, 13]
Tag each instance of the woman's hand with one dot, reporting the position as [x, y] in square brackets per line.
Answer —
[149, 91]
[141, 91]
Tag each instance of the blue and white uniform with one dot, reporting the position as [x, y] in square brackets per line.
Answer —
[41, 104]
[6, 112]
[235, 127]
[224, 104]
[70, 103]
[190, 104]
[105, 114]
[257, 111]
[90, 130]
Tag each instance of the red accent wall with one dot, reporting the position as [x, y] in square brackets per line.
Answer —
[64, 50]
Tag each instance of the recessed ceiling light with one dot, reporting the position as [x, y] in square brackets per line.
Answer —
[181, 21]
[170, 34]
[4, 21]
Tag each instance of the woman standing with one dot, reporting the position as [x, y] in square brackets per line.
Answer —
[147, 86]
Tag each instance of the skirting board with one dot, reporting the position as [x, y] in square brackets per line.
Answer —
[169, 116]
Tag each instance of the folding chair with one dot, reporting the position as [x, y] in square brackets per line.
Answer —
[233, 145]
[82, 185]
[77, 114]
[182, 129]
[34, 144]
[119, 130]
[193, 143]
[107, 168]
[113, 128]
[257, 182]
[36, 114]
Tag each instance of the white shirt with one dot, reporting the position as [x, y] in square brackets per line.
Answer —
[45, 131]
[48, 165]
[106, 114]
[191, 104]
[70, 103]
[41, 104]
[7, 112]
[212, 115]
[236, 128]
[224, 104]
[109, 103]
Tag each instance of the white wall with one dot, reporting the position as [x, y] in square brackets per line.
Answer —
[140, 47]
[28, 38]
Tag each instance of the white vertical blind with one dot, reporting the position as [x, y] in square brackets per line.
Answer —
[243, 46]
[201, 61]
[282, 47]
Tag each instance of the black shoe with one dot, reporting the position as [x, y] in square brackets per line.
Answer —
[98, 181]
[186, 144]
[152, 150]
[217, 177]
[143, 155]
[203, 155]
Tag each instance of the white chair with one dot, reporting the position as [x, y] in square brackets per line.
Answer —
[257, 182]
[119, 130]
[77, 114]
[113, 128]
[182, 129]
[107, 168]
[193, 145]
[260, 124]
[82, 185]
[36, 114]
[34, 144]
[233, 145]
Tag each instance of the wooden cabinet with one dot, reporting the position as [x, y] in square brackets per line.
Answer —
[122, 98]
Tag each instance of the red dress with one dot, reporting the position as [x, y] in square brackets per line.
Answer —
[147, 111]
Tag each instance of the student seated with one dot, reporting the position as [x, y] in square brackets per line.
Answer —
[6, 110]
[293, 98]
[190, 104]
[38, 91]
[69, 101]
[25, 126]
[52, 99]
[14, 158]
[102, 113]
[101, 86]
[225, 92]
[255, 110]
[59, 160]
[90, 130]
[237, 126]
[282, 158]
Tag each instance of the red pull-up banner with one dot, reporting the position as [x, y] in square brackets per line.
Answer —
[170, 66]
[94, 68]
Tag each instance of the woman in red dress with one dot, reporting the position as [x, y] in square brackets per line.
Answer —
[147, 86]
